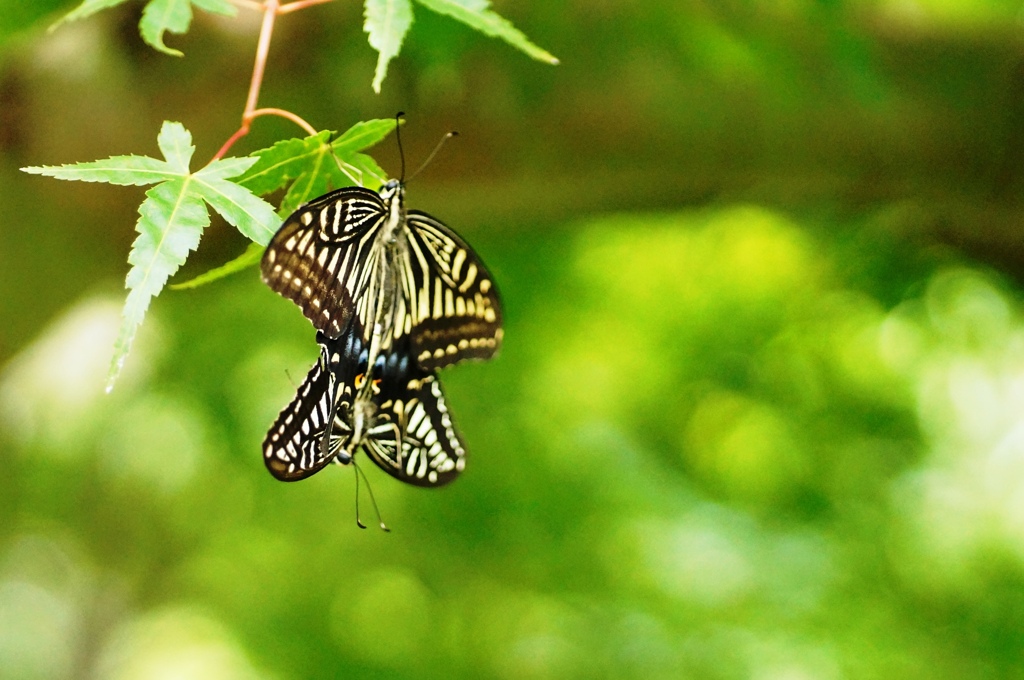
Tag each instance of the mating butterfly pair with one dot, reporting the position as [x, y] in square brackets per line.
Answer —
[394, 296]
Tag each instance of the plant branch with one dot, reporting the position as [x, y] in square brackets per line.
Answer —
[299, 4]
[285, 114]
[239, 133]
[270, 9]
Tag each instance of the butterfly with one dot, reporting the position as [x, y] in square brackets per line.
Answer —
[397, 413]
[358, 254]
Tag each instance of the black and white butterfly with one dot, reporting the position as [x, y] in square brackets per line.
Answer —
[356, 253]
[397, 413]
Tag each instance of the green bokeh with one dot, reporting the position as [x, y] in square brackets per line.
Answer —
[759, 409]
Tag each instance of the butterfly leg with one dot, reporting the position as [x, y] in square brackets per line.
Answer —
[359, 522]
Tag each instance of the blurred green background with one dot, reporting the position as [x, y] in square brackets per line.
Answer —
[760, 409]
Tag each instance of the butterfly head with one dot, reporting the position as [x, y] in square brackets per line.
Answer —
[392, 191]
[393, 196]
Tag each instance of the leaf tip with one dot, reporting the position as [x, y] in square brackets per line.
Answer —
[116, 364]
[156, 41]
[381, 72]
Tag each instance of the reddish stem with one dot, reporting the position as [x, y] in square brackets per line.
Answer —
[285, 114]
[270, 9]
[299, 4]
[239, 133]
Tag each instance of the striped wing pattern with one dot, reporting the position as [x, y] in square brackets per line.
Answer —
[400, 417]
[355, 253]
[318, 257]
[413, 438]
[291, 449]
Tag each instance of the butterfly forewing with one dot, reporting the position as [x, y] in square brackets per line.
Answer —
[317, 258]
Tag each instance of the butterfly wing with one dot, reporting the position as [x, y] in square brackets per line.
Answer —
[326, 259]
[291, 449]
[413, 437]
[452, 304]
[294, 447]
[408, 430]
[318, 258]
[446, 308]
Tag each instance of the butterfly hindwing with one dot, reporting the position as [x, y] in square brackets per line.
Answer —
[413, 437]
[294, 448]
[291, 449]
[397, 412]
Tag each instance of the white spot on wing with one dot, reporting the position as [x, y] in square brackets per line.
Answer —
[470, 278]
[460, 258]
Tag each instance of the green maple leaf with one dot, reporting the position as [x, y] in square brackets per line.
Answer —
[308, 167]
[476, 15]
[158, 17]
[253, 253]
[311, 166]
[172, 218]
[87, 9]
[388, 21]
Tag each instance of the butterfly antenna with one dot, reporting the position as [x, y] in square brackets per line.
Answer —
[398, 136]
[358, 522]
[433, 153]
[330, 147]
[373, 500]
